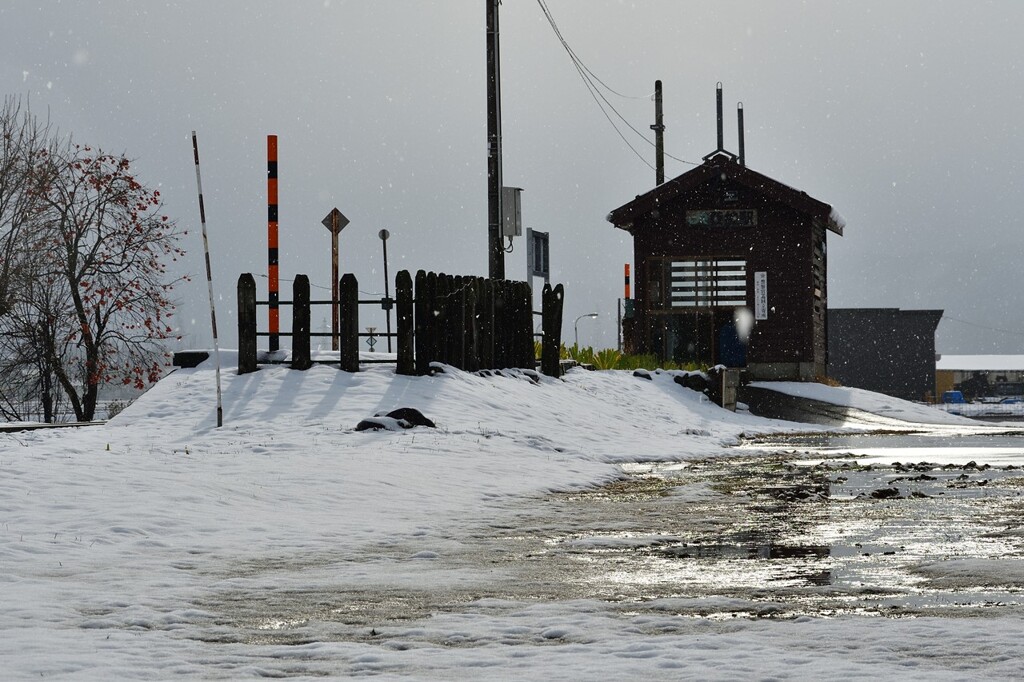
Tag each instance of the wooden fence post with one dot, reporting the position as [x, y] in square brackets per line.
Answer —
[246, 324]
[497, 324]
[551, 317]
[503, 313]
[348, 301]
[425, 348]
[518, 329]
[472, 324]
[461, 302]
[510, 322]
[300, 323]
[452, 322]
[485, 318]
[441, 318]
[527, 355]
[404, 313]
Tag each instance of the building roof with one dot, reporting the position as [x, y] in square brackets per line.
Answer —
[927, 319]
[723, 164]
[980, 363]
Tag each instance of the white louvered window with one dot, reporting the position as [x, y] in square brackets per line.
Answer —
[708, 283]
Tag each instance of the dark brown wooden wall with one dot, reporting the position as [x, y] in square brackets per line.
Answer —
[784, 244]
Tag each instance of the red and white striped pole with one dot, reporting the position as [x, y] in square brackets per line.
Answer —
[272, 252]
[209, 279]
[627, 282]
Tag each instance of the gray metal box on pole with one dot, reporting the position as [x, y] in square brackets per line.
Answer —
[512, 213]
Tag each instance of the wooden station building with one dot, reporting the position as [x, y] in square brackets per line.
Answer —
[730, 269]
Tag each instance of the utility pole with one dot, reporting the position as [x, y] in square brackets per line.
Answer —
[659, 136]
[495, 245]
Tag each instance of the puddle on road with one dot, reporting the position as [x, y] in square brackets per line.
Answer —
[760, 537]
[815, 539]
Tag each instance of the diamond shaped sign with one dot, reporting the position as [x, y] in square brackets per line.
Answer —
[335, 221]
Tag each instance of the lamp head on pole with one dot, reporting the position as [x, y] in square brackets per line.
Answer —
[576, 327]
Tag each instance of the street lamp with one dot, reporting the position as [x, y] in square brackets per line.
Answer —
[386, 303]
[576, 326]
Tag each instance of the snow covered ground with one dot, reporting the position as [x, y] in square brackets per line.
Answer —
[288, 544]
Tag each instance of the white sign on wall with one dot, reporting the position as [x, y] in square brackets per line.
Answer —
[760, 295]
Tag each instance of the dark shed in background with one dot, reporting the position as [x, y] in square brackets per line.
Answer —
[887, 350]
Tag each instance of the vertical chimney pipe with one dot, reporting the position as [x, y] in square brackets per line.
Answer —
[739, 123]
[659, 136]
[721, 131]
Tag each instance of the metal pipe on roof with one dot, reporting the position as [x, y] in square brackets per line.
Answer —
[659, 136]
[721, 130]
[739, 123]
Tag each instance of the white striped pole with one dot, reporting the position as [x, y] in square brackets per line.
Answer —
[209, 279]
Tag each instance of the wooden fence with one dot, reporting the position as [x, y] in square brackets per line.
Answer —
[471, 323]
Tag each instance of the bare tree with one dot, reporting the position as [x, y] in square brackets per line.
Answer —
[84, 291]
[35, 341]
[25, 381]
[22, 139]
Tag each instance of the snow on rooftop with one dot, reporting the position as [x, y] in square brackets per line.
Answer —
[837, 223]
[980, 363]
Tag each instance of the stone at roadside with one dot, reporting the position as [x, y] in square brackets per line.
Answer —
[885, 493]
[411, 415]
[692, 380]
[396, 420]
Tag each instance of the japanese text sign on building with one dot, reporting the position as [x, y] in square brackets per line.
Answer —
[722, 218]
[760, 295]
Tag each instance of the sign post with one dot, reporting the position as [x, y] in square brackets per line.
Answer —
[386, 303]
[335, 221]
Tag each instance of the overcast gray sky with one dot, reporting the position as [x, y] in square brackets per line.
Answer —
[905, 116]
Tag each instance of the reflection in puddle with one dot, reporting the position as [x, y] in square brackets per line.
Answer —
[764, 537]
[767, 551]
[824, 538]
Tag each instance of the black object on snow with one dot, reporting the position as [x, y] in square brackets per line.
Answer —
[412, 416]
[396, 420]
[885, 493]
[692, 380]
[379, 424]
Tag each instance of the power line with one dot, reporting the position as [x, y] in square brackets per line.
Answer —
[575, 57]
[588, 78]
[591, 87]
[1011, 332]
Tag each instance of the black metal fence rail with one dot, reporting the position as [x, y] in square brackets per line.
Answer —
[471, 323]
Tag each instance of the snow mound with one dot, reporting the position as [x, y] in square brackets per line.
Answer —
[868, 401]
